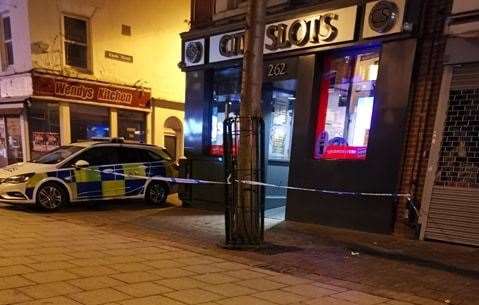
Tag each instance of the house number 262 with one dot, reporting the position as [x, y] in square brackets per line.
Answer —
[278, 69]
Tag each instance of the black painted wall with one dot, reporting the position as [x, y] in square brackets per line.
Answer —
[198, 164]
[379, 173]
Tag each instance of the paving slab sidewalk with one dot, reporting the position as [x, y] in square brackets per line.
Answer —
[297, 249]
[134, 268]
[450, 257]
[305, 252]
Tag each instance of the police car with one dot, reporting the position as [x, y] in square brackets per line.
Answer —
[85, 171]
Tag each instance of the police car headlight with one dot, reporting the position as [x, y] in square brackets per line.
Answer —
[18, 179]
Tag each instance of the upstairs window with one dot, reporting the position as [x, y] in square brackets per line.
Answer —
[235, 7]
[76, 42]
[7, 55]
[225, 5]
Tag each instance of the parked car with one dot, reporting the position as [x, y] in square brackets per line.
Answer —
[85, 171]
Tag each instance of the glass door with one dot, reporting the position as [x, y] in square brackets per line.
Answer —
[3, 144]
[14, 139]
[278, 112]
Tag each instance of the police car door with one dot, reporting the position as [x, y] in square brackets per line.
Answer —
[134, 165]
[98, 179]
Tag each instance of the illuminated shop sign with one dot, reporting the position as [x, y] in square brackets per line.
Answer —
[80, 90]
[317, 29]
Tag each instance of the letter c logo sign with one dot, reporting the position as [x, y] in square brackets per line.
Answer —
[383, 16]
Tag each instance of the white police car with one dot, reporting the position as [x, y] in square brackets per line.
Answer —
[87, 171]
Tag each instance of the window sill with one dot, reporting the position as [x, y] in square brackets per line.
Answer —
[229, 13]
[7, 70]
[72, 69]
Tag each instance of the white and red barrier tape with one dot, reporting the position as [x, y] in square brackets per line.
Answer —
[256, 183]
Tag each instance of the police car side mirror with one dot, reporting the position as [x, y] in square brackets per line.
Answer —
[81, 164]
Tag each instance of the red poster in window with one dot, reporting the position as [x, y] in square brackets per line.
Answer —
[337, 152]
[218, 150]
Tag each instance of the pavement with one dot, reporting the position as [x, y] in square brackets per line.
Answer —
[456, 258]
[129, 253]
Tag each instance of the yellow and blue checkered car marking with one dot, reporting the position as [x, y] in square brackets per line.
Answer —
[95, 183]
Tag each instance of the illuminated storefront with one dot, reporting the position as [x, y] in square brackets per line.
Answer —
[61, 110]
[335, 97]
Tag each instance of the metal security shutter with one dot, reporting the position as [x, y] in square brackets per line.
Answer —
[454, 215]
[454, 206]
[465, 77]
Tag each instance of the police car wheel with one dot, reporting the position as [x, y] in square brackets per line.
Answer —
[51, 196]
[156, 193]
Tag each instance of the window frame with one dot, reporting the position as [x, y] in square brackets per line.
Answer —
[4, 56]
[88, 44]
[50, 109]
[143, 122]
[85, 105]
[211, 104]
[320, 60]
[239, 7]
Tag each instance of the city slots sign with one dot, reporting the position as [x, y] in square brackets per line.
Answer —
[319, 28]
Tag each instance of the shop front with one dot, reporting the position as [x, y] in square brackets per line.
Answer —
[61, 110]
[14, 92]
[11, 141]
[335, 97]
[65, 110]
[450, 202]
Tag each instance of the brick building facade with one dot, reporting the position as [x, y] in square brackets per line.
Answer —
[423, 106]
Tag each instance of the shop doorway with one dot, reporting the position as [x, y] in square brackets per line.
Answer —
[11, 149]
[451, 200]
[278, 112]
[170, 144]
[173, 136]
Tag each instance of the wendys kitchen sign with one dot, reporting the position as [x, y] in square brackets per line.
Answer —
[316, 29]
[87, 91]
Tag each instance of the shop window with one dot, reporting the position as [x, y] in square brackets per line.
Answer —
[225, 103]
[224, 5]
[44, 125]
[346, 103]
[3, 143]
[238, 6]
[14, 139]
[7, 54]
[76, 42]
[88, 122]
[131, 125]
[11, 150]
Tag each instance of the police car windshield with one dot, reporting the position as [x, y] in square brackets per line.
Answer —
[58, 155]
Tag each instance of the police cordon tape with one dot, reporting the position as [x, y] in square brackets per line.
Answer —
[255, 183]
